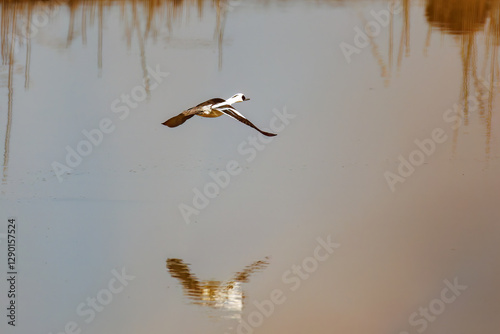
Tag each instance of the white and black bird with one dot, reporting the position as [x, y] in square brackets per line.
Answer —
[215, 108]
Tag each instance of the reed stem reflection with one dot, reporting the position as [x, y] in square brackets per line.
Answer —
[467, 20]
[17, 27]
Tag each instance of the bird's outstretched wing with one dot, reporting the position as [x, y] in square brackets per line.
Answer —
[231, 112]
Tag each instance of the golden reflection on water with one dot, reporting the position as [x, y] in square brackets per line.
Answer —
[226, 296]
[458, 16]
[470, 22]
[466, 20]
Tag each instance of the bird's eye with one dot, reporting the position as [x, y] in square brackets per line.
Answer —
[243, 97]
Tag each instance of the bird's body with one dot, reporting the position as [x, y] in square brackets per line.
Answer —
[204, 109]
[214, 108]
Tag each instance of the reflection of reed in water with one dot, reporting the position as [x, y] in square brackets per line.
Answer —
[457, 16]
[466, 19]
[7, 30]
[404, 40]
[21, 20]
[226, 296]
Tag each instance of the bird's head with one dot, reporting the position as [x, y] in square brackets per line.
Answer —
[237, 98]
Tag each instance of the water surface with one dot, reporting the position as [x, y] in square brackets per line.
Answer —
[387, 148]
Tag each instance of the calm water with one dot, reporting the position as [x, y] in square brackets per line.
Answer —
[374, 210]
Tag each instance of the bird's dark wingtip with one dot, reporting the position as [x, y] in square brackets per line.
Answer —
[269, 134]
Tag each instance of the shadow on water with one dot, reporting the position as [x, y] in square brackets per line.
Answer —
[226, 296]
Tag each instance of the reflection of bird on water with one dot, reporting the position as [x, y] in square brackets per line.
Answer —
[226, 295]
[215, 108]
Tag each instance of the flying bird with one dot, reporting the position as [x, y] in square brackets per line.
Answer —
[215, 108]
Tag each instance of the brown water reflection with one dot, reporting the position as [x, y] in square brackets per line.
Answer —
[458, 16]
[466, 19]
[226, 296]
[475, 24]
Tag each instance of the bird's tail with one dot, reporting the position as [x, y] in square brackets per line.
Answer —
[177, 120]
